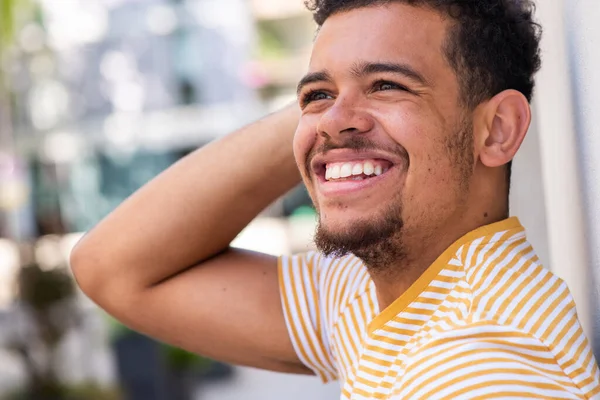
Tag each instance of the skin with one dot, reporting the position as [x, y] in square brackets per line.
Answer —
[440, 142]
[161, 262]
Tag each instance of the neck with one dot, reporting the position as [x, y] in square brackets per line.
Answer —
[422, 250]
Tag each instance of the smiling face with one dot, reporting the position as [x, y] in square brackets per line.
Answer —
[384, 144]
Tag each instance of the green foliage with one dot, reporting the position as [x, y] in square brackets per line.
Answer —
[176, 358]
[7, 29]
[41, 392]
[270, 45]
[47, 297]
[92, 392]
[44, 289]
[12, 13]
[76, 392]
[181, 360]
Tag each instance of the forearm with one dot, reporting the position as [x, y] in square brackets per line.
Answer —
[193, 210]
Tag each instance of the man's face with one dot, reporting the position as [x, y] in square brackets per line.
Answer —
[384, 145]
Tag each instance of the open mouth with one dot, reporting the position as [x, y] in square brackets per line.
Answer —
[352, 170]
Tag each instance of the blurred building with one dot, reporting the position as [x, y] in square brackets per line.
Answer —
[109, 93]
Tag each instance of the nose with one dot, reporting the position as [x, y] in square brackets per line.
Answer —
[344, 117]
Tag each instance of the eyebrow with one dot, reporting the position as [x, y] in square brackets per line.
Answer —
[313, 77]
[362, 69]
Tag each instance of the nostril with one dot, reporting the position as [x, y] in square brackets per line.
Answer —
[324, 134]
[350, 130]
[328, 135]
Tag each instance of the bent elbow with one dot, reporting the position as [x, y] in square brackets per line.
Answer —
[86, 270]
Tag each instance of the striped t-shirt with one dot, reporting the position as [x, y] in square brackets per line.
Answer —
[485, 321]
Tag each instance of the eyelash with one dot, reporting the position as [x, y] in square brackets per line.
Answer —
[396, 86]
[309, 96]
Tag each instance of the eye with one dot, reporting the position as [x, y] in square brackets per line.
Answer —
[387, 85]
[314, 95]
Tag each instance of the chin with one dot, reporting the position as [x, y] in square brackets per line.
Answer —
[351, 222]
[341, 219]
[373, 240]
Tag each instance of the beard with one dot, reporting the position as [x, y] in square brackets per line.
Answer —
[376, 241]
[381, 241]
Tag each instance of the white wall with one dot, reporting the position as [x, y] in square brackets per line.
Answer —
[565, 218]
[584, 44]
[527, 193]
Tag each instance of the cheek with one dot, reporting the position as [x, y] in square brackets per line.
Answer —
[407, 123]
[432, 184]
[431, 165]
[423, 138]
[304, 142]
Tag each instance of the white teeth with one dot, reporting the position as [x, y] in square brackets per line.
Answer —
[346, 170]
[335, 172]
[357, 169]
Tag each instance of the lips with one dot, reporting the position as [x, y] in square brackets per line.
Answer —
[346, 173]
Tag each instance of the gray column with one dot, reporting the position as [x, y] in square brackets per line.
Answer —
[583, 32]
[554, 111]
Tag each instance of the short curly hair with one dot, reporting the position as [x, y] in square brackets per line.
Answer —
[493, 45]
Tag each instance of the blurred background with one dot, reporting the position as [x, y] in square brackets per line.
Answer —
[99, 96]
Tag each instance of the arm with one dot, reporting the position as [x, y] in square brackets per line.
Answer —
[161, 262]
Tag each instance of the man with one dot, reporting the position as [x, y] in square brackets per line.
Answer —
[410, 116]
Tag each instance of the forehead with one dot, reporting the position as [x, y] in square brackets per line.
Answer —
[394, 33]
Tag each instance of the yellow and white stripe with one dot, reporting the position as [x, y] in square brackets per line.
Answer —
[485, 321]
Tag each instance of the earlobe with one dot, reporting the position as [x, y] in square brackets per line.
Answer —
[509, 118]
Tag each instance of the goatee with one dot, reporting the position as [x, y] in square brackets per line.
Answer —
[377, 242]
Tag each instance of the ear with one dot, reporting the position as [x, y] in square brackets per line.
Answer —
[506, 119]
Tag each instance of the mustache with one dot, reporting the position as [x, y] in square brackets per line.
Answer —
[357, 143]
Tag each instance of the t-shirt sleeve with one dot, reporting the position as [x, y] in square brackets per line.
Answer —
[299, 279]
[487, 364]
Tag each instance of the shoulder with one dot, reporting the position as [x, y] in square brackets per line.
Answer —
[327, 272]
[317, 293]
[333, 282]
[519, 292]
[521, 329]
[513, 290]
[509, 285]
[485, 358]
